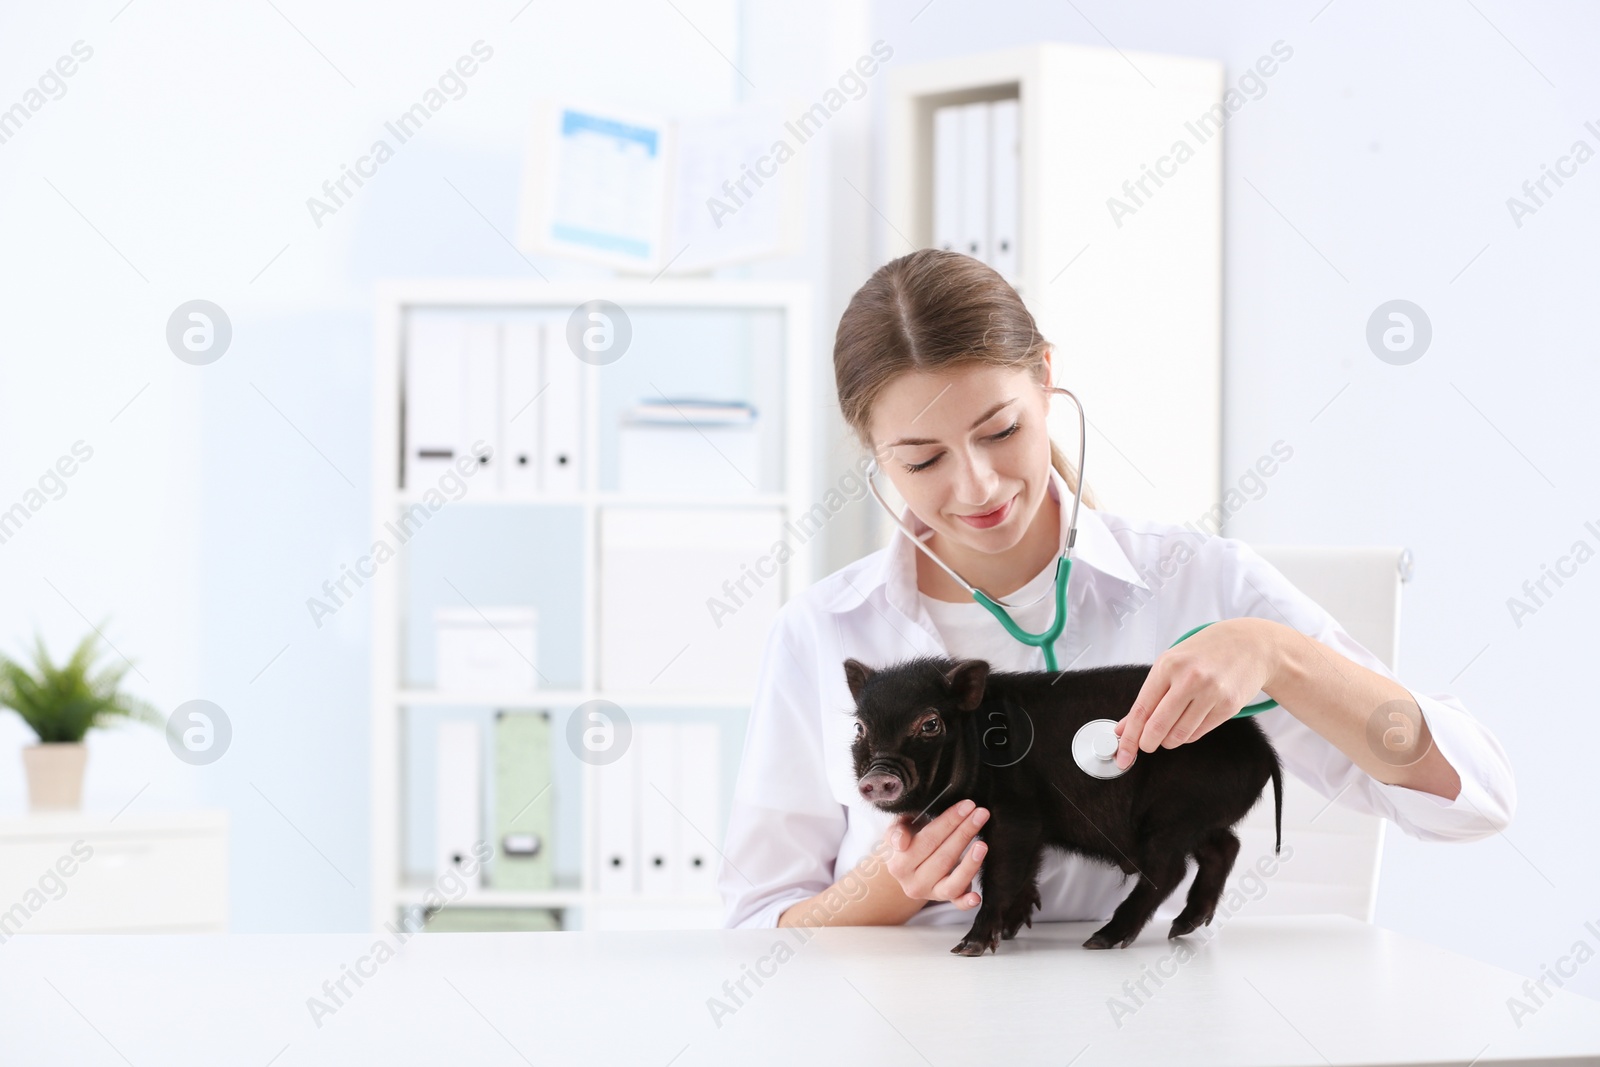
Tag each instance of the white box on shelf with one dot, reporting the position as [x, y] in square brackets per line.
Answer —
[690, 448]
[492, 648]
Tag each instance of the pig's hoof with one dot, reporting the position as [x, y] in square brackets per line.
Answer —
[1101, 939]
[1186, 925]
[971, 946]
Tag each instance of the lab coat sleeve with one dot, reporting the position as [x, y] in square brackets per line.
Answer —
[785, 828]
[1488, 796]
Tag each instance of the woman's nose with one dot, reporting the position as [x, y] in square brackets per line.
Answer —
[976, 482]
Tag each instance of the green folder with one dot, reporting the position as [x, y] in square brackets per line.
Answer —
[456, 919]
[522, 801]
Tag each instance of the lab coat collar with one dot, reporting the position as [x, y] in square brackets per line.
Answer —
[894, 568]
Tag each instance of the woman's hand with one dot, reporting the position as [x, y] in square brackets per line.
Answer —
[928, 863]
[1199, 684]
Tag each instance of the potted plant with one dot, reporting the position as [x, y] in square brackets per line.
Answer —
[60, 704]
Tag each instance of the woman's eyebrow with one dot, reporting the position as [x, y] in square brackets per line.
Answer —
[985, 417]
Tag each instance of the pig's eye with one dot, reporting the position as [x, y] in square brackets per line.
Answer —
[861, 731]
[931, 727]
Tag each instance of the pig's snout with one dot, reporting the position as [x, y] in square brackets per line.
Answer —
[880, 787]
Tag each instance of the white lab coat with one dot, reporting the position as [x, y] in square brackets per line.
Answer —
[798, 823]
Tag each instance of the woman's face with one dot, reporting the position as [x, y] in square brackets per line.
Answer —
[967, 451]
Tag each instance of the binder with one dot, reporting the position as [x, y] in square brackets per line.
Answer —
[975, 181]
[458, 797]
[659, 854]
[448, 920]
[523, 801]
[616, 820]
[433, 397]
[480, 416]
[699, 785]
[520, 353]
[561, 416]
[1005, 193]
[948, 139]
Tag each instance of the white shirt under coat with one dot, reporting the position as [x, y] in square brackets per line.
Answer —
[798, 823]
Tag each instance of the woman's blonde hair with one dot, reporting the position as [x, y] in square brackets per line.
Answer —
[934, 310]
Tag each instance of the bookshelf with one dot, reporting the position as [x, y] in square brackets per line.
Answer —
[1132, 302]
[669, 318]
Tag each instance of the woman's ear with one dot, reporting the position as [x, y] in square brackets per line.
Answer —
[966, 681]
[856, 674]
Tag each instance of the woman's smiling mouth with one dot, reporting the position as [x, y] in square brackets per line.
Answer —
[990, 518]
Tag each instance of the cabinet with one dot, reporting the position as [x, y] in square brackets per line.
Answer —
[1119, 246]
[619, 580]
[71, 872]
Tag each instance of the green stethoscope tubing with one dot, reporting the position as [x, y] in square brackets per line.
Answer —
[1044, 641]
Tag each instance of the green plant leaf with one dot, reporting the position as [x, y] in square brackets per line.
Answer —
[62, 703]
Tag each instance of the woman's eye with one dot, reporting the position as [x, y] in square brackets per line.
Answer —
[913, 468]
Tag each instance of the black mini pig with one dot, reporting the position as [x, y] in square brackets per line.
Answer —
[932, 731]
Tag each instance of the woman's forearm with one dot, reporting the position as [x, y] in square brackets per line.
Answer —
[1372, 719]
[868, 896]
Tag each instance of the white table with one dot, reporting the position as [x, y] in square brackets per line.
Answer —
[1316, 991]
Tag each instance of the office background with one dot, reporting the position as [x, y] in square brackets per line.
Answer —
[1377, 164]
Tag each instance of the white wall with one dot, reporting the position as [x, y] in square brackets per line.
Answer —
[178, 162]
[225, 495]
[1376, 165]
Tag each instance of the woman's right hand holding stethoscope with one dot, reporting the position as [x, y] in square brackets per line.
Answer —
[928, 863]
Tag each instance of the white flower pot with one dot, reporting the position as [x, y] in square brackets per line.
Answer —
[55, 775]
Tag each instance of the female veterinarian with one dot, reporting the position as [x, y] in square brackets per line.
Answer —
[942, 376]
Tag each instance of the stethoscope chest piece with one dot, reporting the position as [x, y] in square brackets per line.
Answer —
[1094, 748]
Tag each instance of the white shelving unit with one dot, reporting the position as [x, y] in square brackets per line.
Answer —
[1134, 310]
[392, 697]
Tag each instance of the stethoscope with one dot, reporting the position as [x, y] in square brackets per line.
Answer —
[1094, 746]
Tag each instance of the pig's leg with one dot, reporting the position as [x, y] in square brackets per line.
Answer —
[1026, 899]
[1009, 885]
[1215, 855]
[1161, 867]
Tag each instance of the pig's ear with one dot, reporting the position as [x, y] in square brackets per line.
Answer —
[966, 681]
[856, 673]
